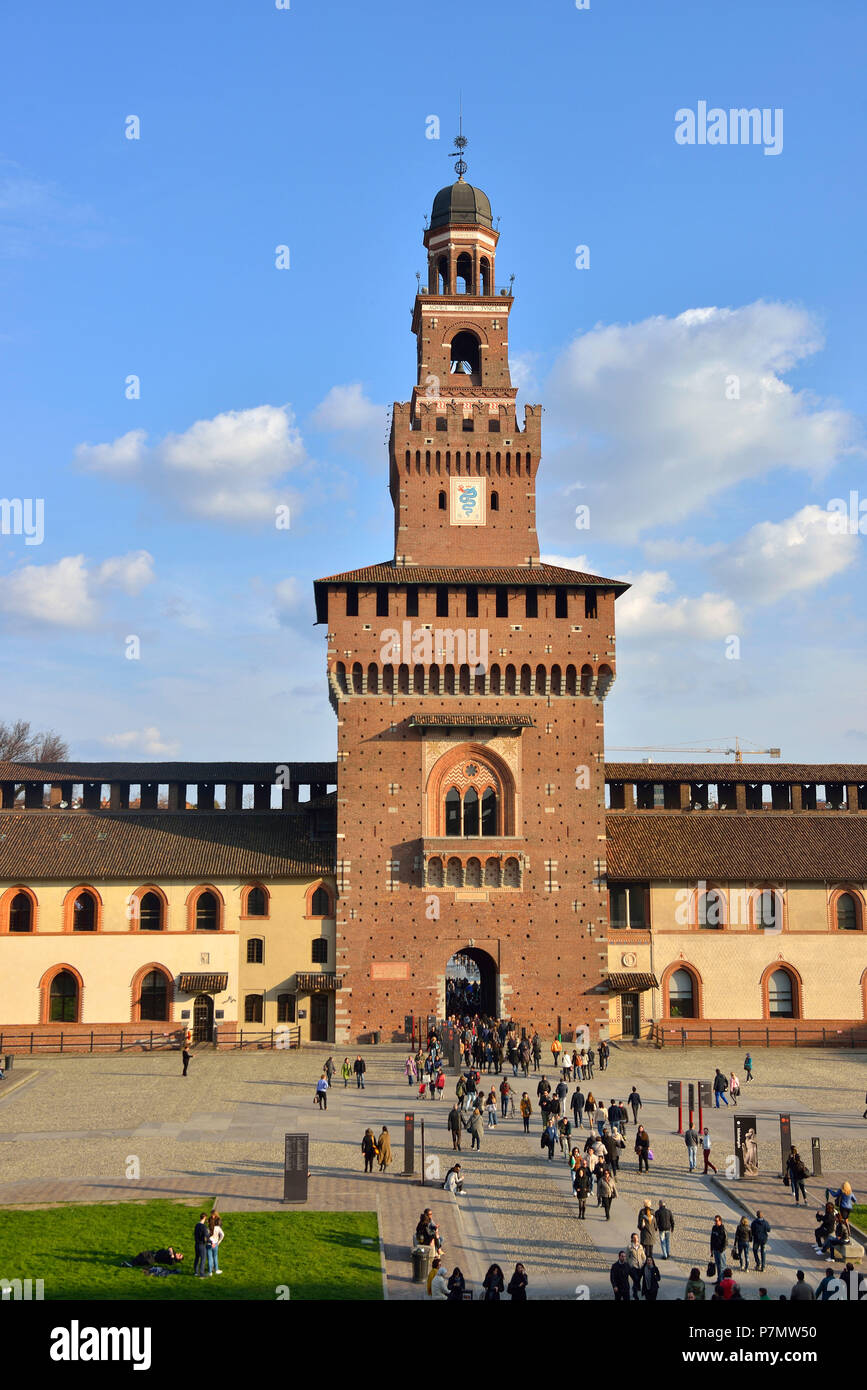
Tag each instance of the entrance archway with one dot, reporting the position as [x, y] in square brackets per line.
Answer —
[203, 1018]
[472, 983]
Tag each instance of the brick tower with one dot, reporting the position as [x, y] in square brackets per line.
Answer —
[468, 680]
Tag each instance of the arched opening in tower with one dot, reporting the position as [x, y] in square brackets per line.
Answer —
[466, 356]
[471, 984]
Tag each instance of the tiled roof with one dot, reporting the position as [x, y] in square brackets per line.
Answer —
[165, 772]
[624, 981]
[520, 575]
[161, 845]
[736, 772]
[202, 984]
[476, 721]
[775, 846]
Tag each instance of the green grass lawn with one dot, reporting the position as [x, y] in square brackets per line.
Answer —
[77, 1252]
[859, 1218]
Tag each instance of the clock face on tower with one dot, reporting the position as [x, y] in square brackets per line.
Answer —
[468, 498]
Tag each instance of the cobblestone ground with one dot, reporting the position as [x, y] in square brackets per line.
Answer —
[87, 1116]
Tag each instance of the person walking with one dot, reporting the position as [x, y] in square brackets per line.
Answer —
[741, 1242]
[561, 1091]
[556, 1049]
[581, 1185]
[346, 1072]
[647, 1228]
[493, 1284]
[796, 1173]
[201, 1236]
[439, 1086]
[383, 1144]
[322, 1092]
[564, 1132]
[650, 1279]
[411, 1070]
[642, 1148]
[604, 1054]
[665, 1226]
[606, 1191]
[536, 1048]
[705, 1148]
[619, 1276]
[577, 1104]
[718, 1242]
[505, 1092]
[476, 1126]
[526, 1111]
[549, 1138]
[748, 1070]
[635, 1104]
[491, 1108]
[802, 1292]
[635, 1258]
[215, 1240]
[454, 1123]
[329, 1070]
[690, 1139]
[186, 1057]
[720, 1086]
[759, 1230]
[734, 1088]
[590, 1110]
[517, 1286]
[694, 1291]
[368, 1148]
[359, 1066]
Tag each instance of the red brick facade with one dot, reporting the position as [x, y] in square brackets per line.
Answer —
[518, 656]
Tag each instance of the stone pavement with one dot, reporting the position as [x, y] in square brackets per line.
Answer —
[218, 1133]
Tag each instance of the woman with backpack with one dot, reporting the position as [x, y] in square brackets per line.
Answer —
[369, 1149]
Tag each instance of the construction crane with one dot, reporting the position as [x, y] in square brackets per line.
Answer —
[737, 752]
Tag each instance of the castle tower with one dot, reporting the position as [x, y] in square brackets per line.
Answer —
[468, 681]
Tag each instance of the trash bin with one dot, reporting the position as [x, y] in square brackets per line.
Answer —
[422, 1257]
[377, 1037]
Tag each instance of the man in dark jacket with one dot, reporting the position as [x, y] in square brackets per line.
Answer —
[759, 1230]
[536, 1049]
[561, 1092]
[718, 1242]
[635, 1102]
[201, 1236]
[613, 1114]
[665, 1226]
[578, 1107]
[619, 1277]
[454, 1123]
[720, 1086]
[549, 1138]
[359, 1066]
[612, 1150]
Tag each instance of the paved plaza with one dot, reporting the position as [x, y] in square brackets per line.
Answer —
[74, 1127]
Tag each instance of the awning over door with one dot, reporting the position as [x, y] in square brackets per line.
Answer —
[631, 981]
[203, 984]
[313, 982]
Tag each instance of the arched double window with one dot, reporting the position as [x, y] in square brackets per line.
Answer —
[21, 912]
[84, 912]
[469, 814]
[681, 995]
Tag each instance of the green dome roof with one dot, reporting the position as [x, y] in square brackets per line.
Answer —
[461, 202]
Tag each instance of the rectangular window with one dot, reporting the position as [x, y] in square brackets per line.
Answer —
[472, 603]
[502, 603]
[589, 603]
[532, 603]
[352, 601]
[253, 1008]
[493, 426]
[412, 601]
[467, 424]
[442, 601]
[382, 601]
[285, 1008]
[442, 422]
[320, 951]
[561, 603]
[627, 906]
[255, 950]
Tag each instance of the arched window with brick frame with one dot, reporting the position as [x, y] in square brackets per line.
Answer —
[61, 995]
[152, 994]
[205, 908]
[682, 988]
[847, 909]
[18, 908]
[82, 909]
[148, 909]
[255, 901]
[782, 991]
[319, 900]
[471, 793]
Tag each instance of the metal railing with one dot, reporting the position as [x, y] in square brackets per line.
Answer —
[757, 1035]
[133, 1039]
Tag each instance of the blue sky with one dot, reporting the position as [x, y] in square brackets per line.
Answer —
[307, 128]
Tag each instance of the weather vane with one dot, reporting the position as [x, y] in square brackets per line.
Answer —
[460, 145]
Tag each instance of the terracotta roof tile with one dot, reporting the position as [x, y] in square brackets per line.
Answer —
[736, 772]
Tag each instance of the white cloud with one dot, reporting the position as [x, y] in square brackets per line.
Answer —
[64, 594]
[645, 611]
[571, 562]
[148, 740]
[347, 408]
[228, 469]
[774, 559]
[643, 410]
[290, 601]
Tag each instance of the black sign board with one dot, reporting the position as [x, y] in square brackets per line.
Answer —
[746, 1147]
[409, 1143]
[296, 1168]
[705, 1095]
[674, 1092]
[785, 1141]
